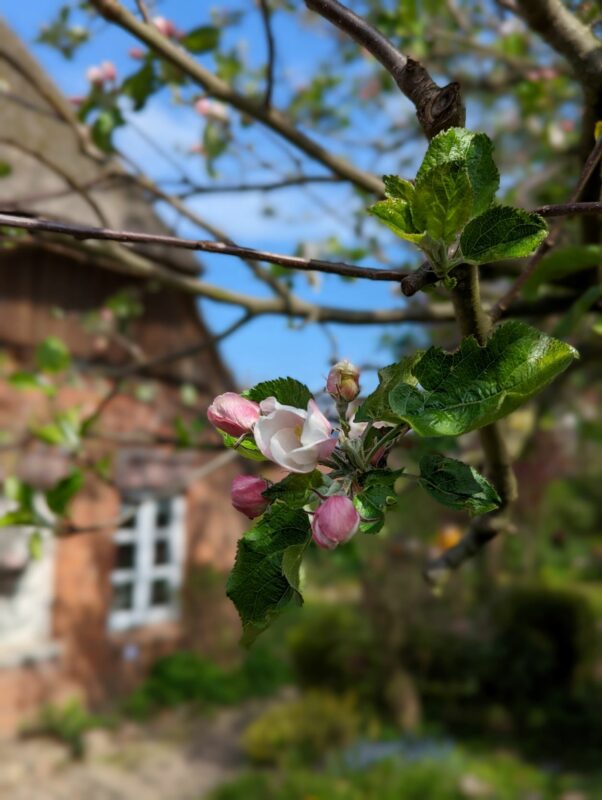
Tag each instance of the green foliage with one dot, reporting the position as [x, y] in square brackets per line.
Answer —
[60, 495]
[377, 494]
[442, 201]
[474, 152]
[140, 85]
[560, 263]
[5, 169]
[103, 127]
[398, 189]
[502, 232]
[62, 35]
[65, 430]
[458, 392]
[376, 406]
[22, 495]
[245, 447]
[188, 678]
[294, 490]
[335, 648]
[287, 391]
[52, 355]
[543, 646]
[201, 39]
[397, 215]
[302, 731]
[68, 723]
[453, 775]
[457, 485]
[265, 578]
[24, 381]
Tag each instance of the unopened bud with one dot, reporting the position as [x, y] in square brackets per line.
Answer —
[247, 495]
[233, 414]
[343, 381]
[334, 522]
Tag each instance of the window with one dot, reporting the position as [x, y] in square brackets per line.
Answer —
[147, 572]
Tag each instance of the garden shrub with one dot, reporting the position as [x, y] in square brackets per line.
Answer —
[186, 677]
[68, 723]
[334, 648]
[302, 731]
[543, 645]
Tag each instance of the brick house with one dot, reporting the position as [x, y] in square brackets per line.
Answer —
[94, 609]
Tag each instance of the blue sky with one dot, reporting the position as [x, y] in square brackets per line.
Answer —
[271, 346]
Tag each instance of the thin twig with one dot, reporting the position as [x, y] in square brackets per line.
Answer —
[588, 169]
[266, 16]
[144, 13]
[84, 232]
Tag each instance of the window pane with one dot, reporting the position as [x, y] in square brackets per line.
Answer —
[162, 552]
[123, 597]
[126, 555]
[163, 518]
[161, 592]
[130, 522]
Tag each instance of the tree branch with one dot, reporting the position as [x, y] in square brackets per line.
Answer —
[113, 11]
[504, 302]
[437, 108]
[83, 232]
[266, 17]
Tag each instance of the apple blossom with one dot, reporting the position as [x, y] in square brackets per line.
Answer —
[95, 76]
[343, 381]
[211, 109]
[247, 495]
[233, 414]
[293, 438]
[136, 53]
[109, 71]
[334, 522]
[165, 26]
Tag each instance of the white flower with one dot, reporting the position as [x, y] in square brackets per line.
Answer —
[293, 438]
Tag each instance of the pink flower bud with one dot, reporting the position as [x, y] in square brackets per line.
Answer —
[137, 53]
[95, 76]
[165, 26]
[247, 495]
[233, 414]
[334, 522]
[343, 381]
[109, 71]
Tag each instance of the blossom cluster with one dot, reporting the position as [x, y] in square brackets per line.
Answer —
[300, 440]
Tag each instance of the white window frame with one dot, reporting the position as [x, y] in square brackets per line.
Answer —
[143, 535]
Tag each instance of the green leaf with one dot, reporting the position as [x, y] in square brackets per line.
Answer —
[64, 431]
[376, 406]
[141, 84]
[246, 448]
[30, 380]
[287, 391]
[61, 494]
[457, 485]
[52, 355]
[474, 150]
[560, 263]
[443, 201]
[502, 232]
[265, 578]
[378, 494]
[398, 188]
[397, 216]
[458, 392]
[294, 490]
[5, 169]
[216, 138]
[201, 39]
[20, 516]
[18, 491]
[103, 127]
